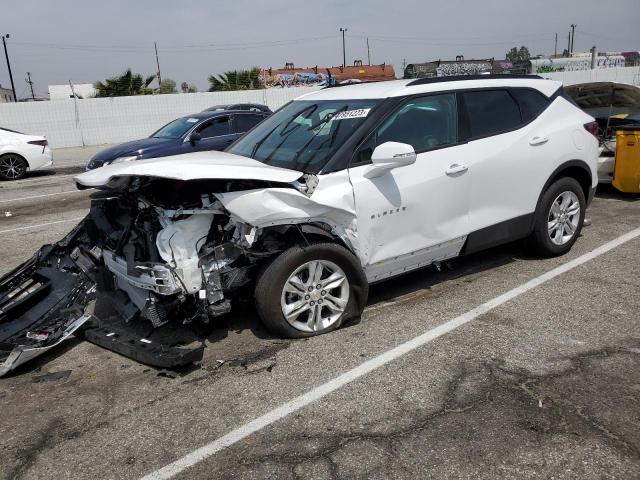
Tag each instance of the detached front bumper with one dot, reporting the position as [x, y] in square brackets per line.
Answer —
[60, 292]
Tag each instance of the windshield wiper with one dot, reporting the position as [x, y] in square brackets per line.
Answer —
[259, 143]
[328, 117]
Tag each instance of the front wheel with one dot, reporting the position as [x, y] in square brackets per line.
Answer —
[559, 218]
[310, 290]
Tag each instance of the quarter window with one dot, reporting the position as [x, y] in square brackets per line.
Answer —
[531, 102]
[491, 112]
[424, 123]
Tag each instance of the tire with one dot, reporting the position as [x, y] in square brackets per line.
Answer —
[272, 298]
[550, 241]
[12, 167]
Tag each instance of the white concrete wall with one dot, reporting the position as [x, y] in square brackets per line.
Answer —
[629, 75]
[119, 119]
[60, 92]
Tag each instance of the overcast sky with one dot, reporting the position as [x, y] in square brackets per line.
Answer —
[89, 40]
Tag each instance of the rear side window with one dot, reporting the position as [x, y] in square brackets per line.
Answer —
[531, 102]
[215, 128]
[491, 112]
[244, 123]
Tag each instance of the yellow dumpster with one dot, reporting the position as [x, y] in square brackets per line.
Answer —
[626, 173]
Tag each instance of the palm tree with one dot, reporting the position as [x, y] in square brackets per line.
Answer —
[126, 84]
[236, 80]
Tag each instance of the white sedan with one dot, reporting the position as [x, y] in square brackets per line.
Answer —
[20, 153]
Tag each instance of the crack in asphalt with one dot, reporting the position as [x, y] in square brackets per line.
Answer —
[540, 410]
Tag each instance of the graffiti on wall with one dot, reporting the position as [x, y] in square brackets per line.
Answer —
[462, 68]
[293, 79]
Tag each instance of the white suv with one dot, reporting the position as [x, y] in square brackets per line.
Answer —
[341, 188]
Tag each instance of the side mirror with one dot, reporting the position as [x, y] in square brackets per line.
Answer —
[388, 156]
[195, 137]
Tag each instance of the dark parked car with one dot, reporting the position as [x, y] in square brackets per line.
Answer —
[214, 130]
[251, 107]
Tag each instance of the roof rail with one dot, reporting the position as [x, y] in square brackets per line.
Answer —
[456, 78]
[336, 85]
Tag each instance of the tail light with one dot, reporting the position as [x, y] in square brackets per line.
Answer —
[592, 128]
[42, 143]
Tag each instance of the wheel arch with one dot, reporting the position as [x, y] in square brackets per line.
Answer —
[17, 155]
[577, 169]
[313, 231]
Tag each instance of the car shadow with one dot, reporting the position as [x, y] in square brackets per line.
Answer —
[244, 318]
[608, 191]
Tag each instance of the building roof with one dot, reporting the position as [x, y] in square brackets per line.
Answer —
[366, 73]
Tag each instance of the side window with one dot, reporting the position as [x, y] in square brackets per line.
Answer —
[245, 122]
[491, 112]
[215, 128]
[531, 102]
[424, 123]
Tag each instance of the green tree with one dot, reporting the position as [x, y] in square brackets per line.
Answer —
[518, 54]
[188, 88]
[124, 85]
[168, 86]
[236, 80]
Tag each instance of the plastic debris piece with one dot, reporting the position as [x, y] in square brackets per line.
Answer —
[52, 376]
[167, 373]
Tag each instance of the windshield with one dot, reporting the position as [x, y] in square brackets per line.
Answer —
[303, 135]
[177, 128]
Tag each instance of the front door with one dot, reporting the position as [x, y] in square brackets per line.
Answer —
[215, 134]
[417, 214]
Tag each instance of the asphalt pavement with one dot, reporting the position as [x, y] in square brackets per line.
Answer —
[544, 383]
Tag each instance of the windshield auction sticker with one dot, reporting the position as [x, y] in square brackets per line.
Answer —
[359, 113]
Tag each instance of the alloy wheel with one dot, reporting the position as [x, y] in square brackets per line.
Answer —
[563, 219]
[315, 295]
[12, 167]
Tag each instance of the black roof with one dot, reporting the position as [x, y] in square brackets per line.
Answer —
[455, 78]
[239, 106]
[214, 113]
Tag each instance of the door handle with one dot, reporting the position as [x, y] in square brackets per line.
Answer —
[455, 168]
[538, 140]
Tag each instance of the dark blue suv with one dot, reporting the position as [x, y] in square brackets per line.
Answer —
[211, 130]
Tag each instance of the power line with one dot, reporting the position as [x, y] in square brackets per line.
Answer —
[207, 46]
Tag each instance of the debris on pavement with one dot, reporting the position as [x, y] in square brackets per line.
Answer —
[52, 376]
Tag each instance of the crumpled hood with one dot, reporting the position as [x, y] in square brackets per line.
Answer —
[190, 166]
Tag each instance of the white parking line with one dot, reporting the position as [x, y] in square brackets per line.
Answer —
[77, 219]
[375, 363]
[42, 195]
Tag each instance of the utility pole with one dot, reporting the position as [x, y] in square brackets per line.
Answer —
[573, 36]
[6, 55]
[28, 80]
[155, 45]
[569, 45]
[555, 49]
[368, 52]
[344, 51]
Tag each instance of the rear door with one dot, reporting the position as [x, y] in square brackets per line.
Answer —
[413, 215]
[243, 122]
[509, 144]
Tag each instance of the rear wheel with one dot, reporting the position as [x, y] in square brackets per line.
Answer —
[310, 290]
[559, 218]
[12, 167]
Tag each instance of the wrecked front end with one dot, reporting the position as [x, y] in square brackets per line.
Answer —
[154, 261]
